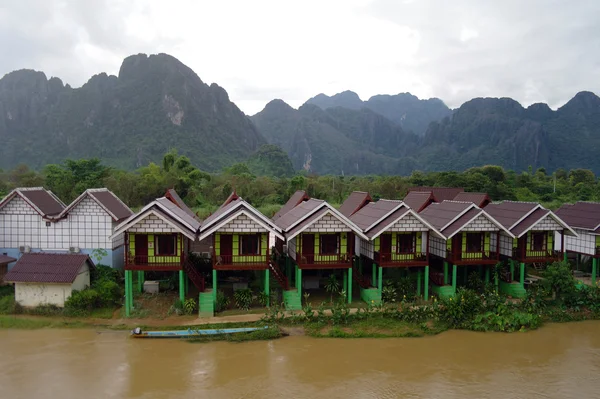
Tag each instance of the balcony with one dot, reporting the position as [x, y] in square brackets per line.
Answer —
[473, 258]
[523, 255]
[154, 263]
[240, 262]
[400, 259]
[334, 261]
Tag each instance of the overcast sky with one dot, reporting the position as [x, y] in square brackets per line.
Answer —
[530, 50]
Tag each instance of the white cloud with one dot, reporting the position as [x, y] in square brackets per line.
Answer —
[263, 49]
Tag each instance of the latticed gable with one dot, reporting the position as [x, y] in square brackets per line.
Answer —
[328, 223]
[17, 206]
[242, 224]
[480, 223]
[152, 224]
[547, 224]
[408, 223]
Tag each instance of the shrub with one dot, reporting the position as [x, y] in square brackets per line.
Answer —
[109, 293]
[8, 305]
[388, 292]
[83, 300]
[105, 273]
[458, 311]
[190, 306]
[176, 308]
[243, 298]
[222, 301]
[262, 298]
[559, 280]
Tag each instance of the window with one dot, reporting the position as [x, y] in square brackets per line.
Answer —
[474, 242]
[329, 244]
[538, 241]
[165, 244]
[406, 243]
[250, 244]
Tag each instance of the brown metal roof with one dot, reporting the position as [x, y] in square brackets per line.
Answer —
[439, 214]
[419, 200]
[383, 224]
[112, 203]
[309, 220]
[232, 197]
[180, 213]
[297, 213]
[529, 221]
[507, 213]
[172, 196]
[479, 199]
[4, 259]
[47, 268]
[355, 201]
[45, 201]
[374, 212]
[298, 197]
[461, 222]
[583, 215]
[440, 193]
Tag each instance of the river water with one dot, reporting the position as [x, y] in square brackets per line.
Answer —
[557, 361]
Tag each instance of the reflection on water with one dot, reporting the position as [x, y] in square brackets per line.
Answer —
[557, 361]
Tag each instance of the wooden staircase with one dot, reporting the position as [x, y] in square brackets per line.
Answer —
[279, 276]
[361, 280]
[197, 278]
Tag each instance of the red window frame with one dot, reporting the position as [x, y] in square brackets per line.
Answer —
[474, 240]
[250, 244]
[329, 244]
[405, 243]
[538, 241]
[165, 244]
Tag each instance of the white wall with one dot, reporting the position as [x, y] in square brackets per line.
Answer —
[90, 225]
[35, 294]
[584, 244]
[83, 279]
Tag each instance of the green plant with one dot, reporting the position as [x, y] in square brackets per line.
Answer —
[222, 301]
[243, 298]
[84, 300]
[459, 310]
[98, 254]
[109, 293]
[559, 280]
[176, 308]
[262, 298]
[8, 305]
[474, 282]
[104, 273]
[190, 306]
[405, 287]
[388, 292]
[332, 285]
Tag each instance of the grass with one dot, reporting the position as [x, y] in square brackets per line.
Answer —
[37, 323]
[373, 327]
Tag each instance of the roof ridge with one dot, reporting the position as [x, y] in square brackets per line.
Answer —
[30, 189]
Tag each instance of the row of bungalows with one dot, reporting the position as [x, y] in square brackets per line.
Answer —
[36, 220]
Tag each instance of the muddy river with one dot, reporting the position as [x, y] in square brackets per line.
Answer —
[557, 361]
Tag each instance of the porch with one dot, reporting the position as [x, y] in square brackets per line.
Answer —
[405, 259]
[521, 254]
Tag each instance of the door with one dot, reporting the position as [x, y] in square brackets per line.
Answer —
[457, 247]
[141, 249]
[227, 249]
[308, 249]
[385, 247]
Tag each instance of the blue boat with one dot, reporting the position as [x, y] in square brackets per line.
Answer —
[189, 333]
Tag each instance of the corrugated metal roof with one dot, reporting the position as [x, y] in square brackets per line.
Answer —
[6, 259]
[45, 201]
[583, 215]
[383, 224]
[47, 268]
[112, 203]
[440, 193]
[180, 213]
[298, 197]
[217, 214]
[355, 201]
[507, 213]
[172, 196]
[529, 221]
[440, 214]
[318, 214]
[461, 222]
[297, 213]
[373, 212]
[419, 200]
[479, 199]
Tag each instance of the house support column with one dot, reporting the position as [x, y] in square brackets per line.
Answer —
[350, 285]
[496, 280]
[426, 287]
[267, 291]
[454, 278]
[374, 279]
[380, 280]
[140, 281]
[344, 282]
[522, 277]
[299, 281]
[419, 283]
[512, 270]
[128, 293]
[445, 272]
[214, 286]
[487, 274]
[182, 285]
[594, 270]
[565, 256]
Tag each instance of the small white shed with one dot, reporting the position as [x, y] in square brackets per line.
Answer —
[49, 278]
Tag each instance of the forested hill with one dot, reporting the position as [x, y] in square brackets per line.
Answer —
[156, 103]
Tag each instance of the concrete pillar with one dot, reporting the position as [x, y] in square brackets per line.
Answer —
[350, 285]
[380, 282]
[344, 282]
[182, 285]
[445, 272]
[454, 277]
[512, 270]
[496, 281]
[426, 291]
[267, 291]
[299, 282]
[419, 283]
[374, 279]
[565, 256]
[522, 279]
[127, 294]
[214, 286]
[140, 281]
[594, 270]
[578, 260]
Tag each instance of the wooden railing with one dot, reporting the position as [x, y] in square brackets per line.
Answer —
[279, 276]
[324, 260]
[240, 260]
[473, 257]
[197, 278]
[521, 253]
[598, 251]
[144, 262]
[383, 258]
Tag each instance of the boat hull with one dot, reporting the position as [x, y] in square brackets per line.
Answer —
[189, 333]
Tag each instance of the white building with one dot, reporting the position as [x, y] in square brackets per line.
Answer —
[49, 278]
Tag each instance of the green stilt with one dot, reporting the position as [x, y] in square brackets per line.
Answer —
[299, 282]
[127, 294]
[496, 281]
[345, 282]
[454, 278]
[267, 291]
[487, 274]
[426, 292]
[512, 270]
[380, 280]
[522, 278]
[594, 270]
[296, 277]
[419, 283]
[349, 285]
[181, 285]
[374, 279]
[445, 272]
[214, 287]
[565, 256]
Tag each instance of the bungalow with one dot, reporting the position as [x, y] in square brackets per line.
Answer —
[533, 230]
[439, 193]
[240, 241]
[49, 278]
[397, 237]
[157, 238]
[584, 219]
[318, 238]
[469, 237]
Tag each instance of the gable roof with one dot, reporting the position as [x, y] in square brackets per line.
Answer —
[48, 268]
[296, 214]
[520, 217]
[582, 215]
[355, 201]
[106, 199]
[297, 198]
[374, 212]
[440, 193]
[6, 259]
[229, 211]
[479, 199]
[419, 200]
[41, 200]
[172, 196]
[449, 217]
